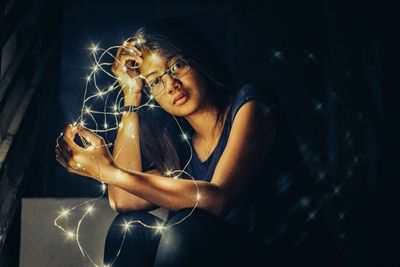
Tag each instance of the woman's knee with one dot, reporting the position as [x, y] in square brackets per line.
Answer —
[193, 234]
[126, 235]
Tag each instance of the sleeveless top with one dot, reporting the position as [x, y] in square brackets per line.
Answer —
[279, 205]
[278, 199]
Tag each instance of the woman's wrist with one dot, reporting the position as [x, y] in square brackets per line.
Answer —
[110, 174]
[132, 99]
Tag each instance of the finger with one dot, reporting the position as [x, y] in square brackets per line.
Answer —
[131, 50]
[90, 136]
[64, 151]
[125, 58]
[68, 137]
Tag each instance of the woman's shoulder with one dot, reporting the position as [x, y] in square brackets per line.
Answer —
[252, 91]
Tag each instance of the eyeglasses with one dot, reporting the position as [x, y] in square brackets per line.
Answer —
[176, 70]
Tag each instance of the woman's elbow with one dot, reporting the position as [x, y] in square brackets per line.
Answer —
[218, 204]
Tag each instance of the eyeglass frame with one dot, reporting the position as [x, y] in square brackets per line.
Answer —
[169, 72]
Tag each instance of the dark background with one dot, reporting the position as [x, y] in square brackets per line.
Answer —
[327, 61]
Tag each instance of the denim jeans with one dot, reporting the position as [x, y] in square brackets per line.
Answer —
[202, 239]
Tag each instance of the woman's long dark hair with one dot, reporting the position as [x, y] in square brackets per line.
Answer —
[160, 140]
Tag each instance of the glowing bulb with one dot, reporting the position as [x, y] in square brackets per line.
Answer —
[140, 40]
[70, 234]
[89, 209]
[126, 226]
[120, 125]
[155, 57]
[115, 107]
[198, 196]
[78, 165]
[184, 136]
[151, 105]
[100, 93]
[105, 125]
[168, 173]
[124, 69]
[110, 88]
[87, 78]
[151, 96]
[94, 48]
[103, 187]
[87, 110]
[95, 68]
[64, 213]
[159, 228]
[131, 82]
[82, 123]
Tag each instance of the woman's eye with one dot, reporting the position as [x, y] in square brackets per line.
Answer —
[155, 82]
[176, 66]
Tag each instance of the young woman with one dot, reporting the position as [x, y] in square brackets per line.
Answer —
[253, 202]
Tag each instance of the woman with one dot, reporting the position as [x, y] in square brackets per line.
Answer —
[251, 195]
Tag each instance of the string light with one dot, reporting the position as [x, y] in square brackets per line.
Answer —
[89, 114]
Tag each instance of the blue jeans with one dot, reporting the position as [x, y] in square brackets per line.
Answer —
[200, 240]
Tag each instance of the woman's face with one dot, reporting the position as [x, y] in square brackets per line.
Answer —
[180, 96]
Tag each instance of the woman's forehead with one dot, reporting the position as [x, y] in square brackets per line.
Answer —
[155, 64]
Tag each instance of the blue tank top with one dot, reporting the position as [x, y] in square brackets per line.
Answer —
[281, 185]
[279, 205]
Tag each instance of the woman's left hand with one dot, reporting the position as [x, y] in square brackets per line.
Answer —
[94, 161]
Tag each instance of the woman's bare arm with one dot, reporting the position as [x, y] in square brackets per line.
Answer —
[251, 136]
[126, 153]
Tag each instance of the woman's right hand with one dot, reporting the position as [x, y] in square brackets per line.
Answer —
[127, 59]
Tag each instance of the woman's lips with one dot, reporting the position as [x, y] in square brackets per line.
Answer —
[180, 99]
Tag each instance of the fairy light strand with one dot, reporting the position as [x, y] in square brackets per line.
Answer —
[88, 112]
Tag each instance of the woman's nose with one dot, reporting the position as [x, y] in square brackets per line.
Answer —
[172, 84]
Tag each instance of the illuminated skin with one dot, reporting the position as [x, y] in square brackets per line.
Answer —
[130, 189]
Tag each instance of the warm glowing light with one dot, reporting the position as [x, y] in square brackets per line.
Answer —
[87, 110]
[95, 68]
[94, 48]
[131, 83]
[70, 235]
[89, 209]
[88, 78]
[64, 213]
[160, 228]
[155, 57]
[105, 125]
[103, 187]
[198, 196]
[100, 93]
[140, 40]
[126, 226]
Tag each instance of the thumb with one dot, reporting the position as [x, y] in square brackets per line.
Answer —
[89, 136]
